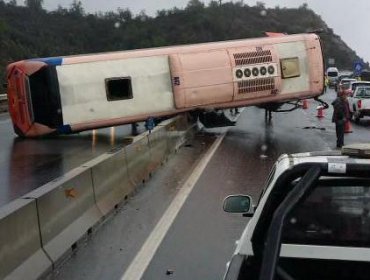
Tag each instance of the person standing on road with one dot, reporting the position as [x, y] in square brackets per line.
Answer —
[340, 116]
[326, 83]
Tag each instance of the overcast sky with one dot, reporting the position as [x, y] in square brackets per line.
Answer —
[349, 19]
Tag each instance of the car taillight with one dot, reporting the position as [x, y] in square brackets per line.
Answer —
[359, 104]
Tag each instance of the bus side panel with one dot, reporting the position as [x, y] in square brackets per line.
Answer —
[201, 78]
[83, 89]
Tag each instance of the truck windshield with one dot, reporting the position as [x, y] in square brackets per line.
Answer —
[363, 92]
[337, 212]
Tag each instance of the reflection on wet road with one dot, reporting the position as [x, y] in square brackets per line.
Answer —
[26, 164]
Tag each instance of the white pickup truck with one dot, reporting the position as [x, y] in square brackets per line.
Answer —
[312, 221]
[359, 103]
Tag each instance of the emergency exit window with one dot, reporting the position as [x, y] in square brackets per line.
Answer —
[290, 67]
[118, 88]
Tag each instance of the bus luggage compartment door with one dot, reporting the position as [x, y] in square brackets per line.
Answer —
[201, 78]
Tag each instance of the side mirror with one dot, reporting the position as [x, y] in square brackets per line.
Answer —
[238, 204]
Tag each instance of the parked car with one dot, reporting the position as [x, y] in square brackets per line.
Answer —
[345, 75]
[344, 84]
[312, 220]
[354, 85]
[359, 103]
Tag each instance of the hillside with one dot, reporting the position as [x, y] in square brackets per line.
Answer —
[31, 31]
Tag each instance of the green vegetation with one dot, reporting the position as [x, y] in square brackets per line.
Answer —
[30, 31]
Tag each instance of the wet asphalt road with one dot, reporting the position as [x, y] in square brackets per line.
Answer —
[26, 164]
[202, 238]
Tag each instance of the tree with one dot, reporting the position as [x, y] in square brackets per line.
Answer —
[304, 6]
[142, 16]
[213, 4]
[12, 3]
[60, 10]
[124, 14]
[77, 8]
[34, 4]
[195, 4]
[260, 5]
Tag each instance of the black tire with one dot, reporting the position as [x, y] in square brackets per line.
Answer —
[18, 131]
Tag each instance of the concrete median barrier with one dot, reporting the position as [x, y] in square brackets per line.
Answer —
[111, 181]
[189, 133]
[138, 159]
[158, 144]
[21, 255]
[176, 131]
[67, 210]
[37, 230]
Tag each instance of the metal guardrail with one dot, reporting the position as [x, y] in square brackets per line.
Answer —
[3, 97]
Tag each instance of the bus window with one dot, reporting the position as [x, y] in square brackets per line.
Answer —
[290, 67]
[118, 88]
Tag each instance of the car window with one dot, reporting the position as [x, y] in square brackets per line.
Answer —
[343, 77]
[355, 85]
[336, 213]
[345, 86]
[363, 92]
[347, 80]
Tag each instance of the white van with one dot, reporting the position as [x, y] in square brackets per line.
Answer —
[332, 73]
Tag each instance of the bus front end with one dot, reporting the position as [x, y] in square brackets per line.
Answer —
[27, 91]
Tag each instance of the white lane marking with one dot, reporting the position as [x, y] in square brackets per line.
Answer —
[142, 259]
